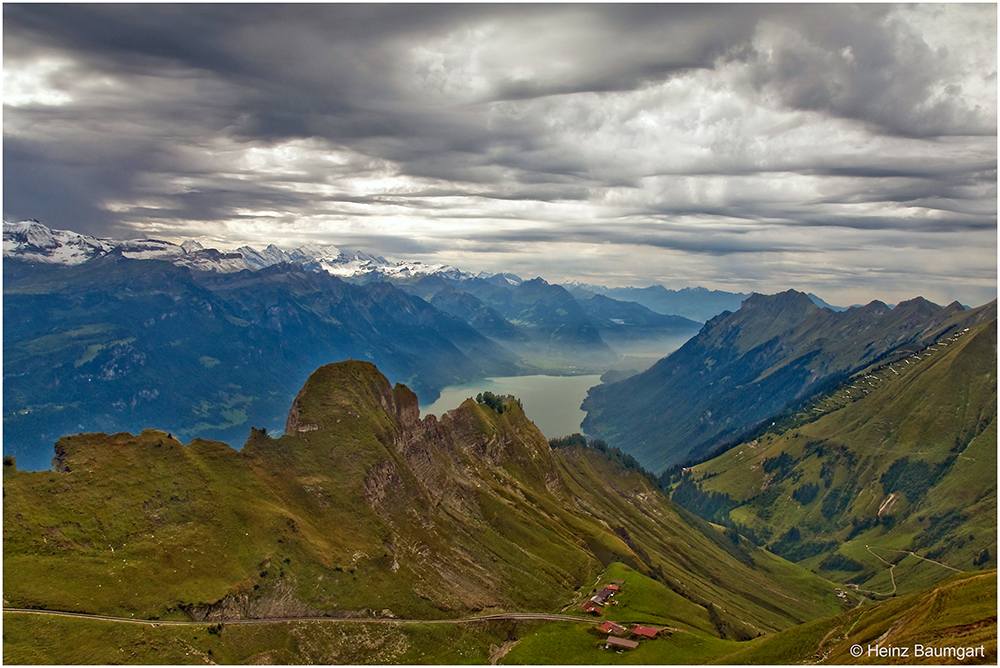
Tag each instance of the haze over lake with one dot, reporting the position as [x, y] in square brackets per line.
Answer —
[551, 402]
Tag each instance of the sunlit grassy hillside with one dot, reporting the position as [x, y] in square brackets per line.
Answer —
[895, 468]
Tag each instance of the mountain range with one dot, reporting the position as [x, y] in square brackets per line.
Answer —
[762, 494]
[698, 304]
[744, 367]
[31, 241]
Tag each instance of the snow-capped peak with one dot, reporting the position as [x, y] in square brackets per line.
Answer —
[502, 278]
[30, 240]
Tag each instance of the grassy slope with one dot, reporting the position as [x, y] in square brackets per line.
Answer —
[31, 640]
[937, 407]
[695, 559]
[153, 532]
[960, 612]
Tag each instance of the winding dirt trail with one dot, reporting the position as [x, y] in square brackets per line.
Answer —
[913, 554]
[891, 566]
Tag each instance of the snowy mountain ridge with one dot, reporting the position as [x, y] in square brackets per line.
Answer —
[32, 241]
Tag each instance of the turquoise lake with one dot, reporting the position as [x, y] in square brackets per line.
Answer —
[551, 402]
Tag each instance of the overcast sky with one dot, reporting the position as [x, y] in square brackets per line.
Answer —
[850, 151]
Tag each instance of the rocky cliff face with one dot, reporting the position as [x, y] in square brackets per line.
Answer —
[425, 482]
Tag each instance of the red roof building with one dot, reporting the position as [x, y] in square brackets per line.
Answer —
[645, 631]
[611, 627]
[590, 606]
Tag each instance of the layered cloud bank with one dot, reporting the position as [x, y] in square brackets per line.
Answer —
[845, 150]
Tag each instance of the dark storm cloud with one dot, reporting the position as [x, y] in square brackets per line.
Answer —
[59, 183]
[652, 234]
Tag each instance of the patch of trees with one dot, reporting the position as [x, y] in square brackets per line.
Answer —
[939, 527]
[859, 525]
[791, 546]
[623, 459]
[623, 533]
[733, 531]
[712, 506]
[614, 454]
[806, 493]
[673, 474]
[912, 478]
[839, 562]
[568, 441]
[782, 463]
[726, 629]
[826, 472]
[495, 401]
[765, 499]
[838, 456]
[793, 535]
[834, 503]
